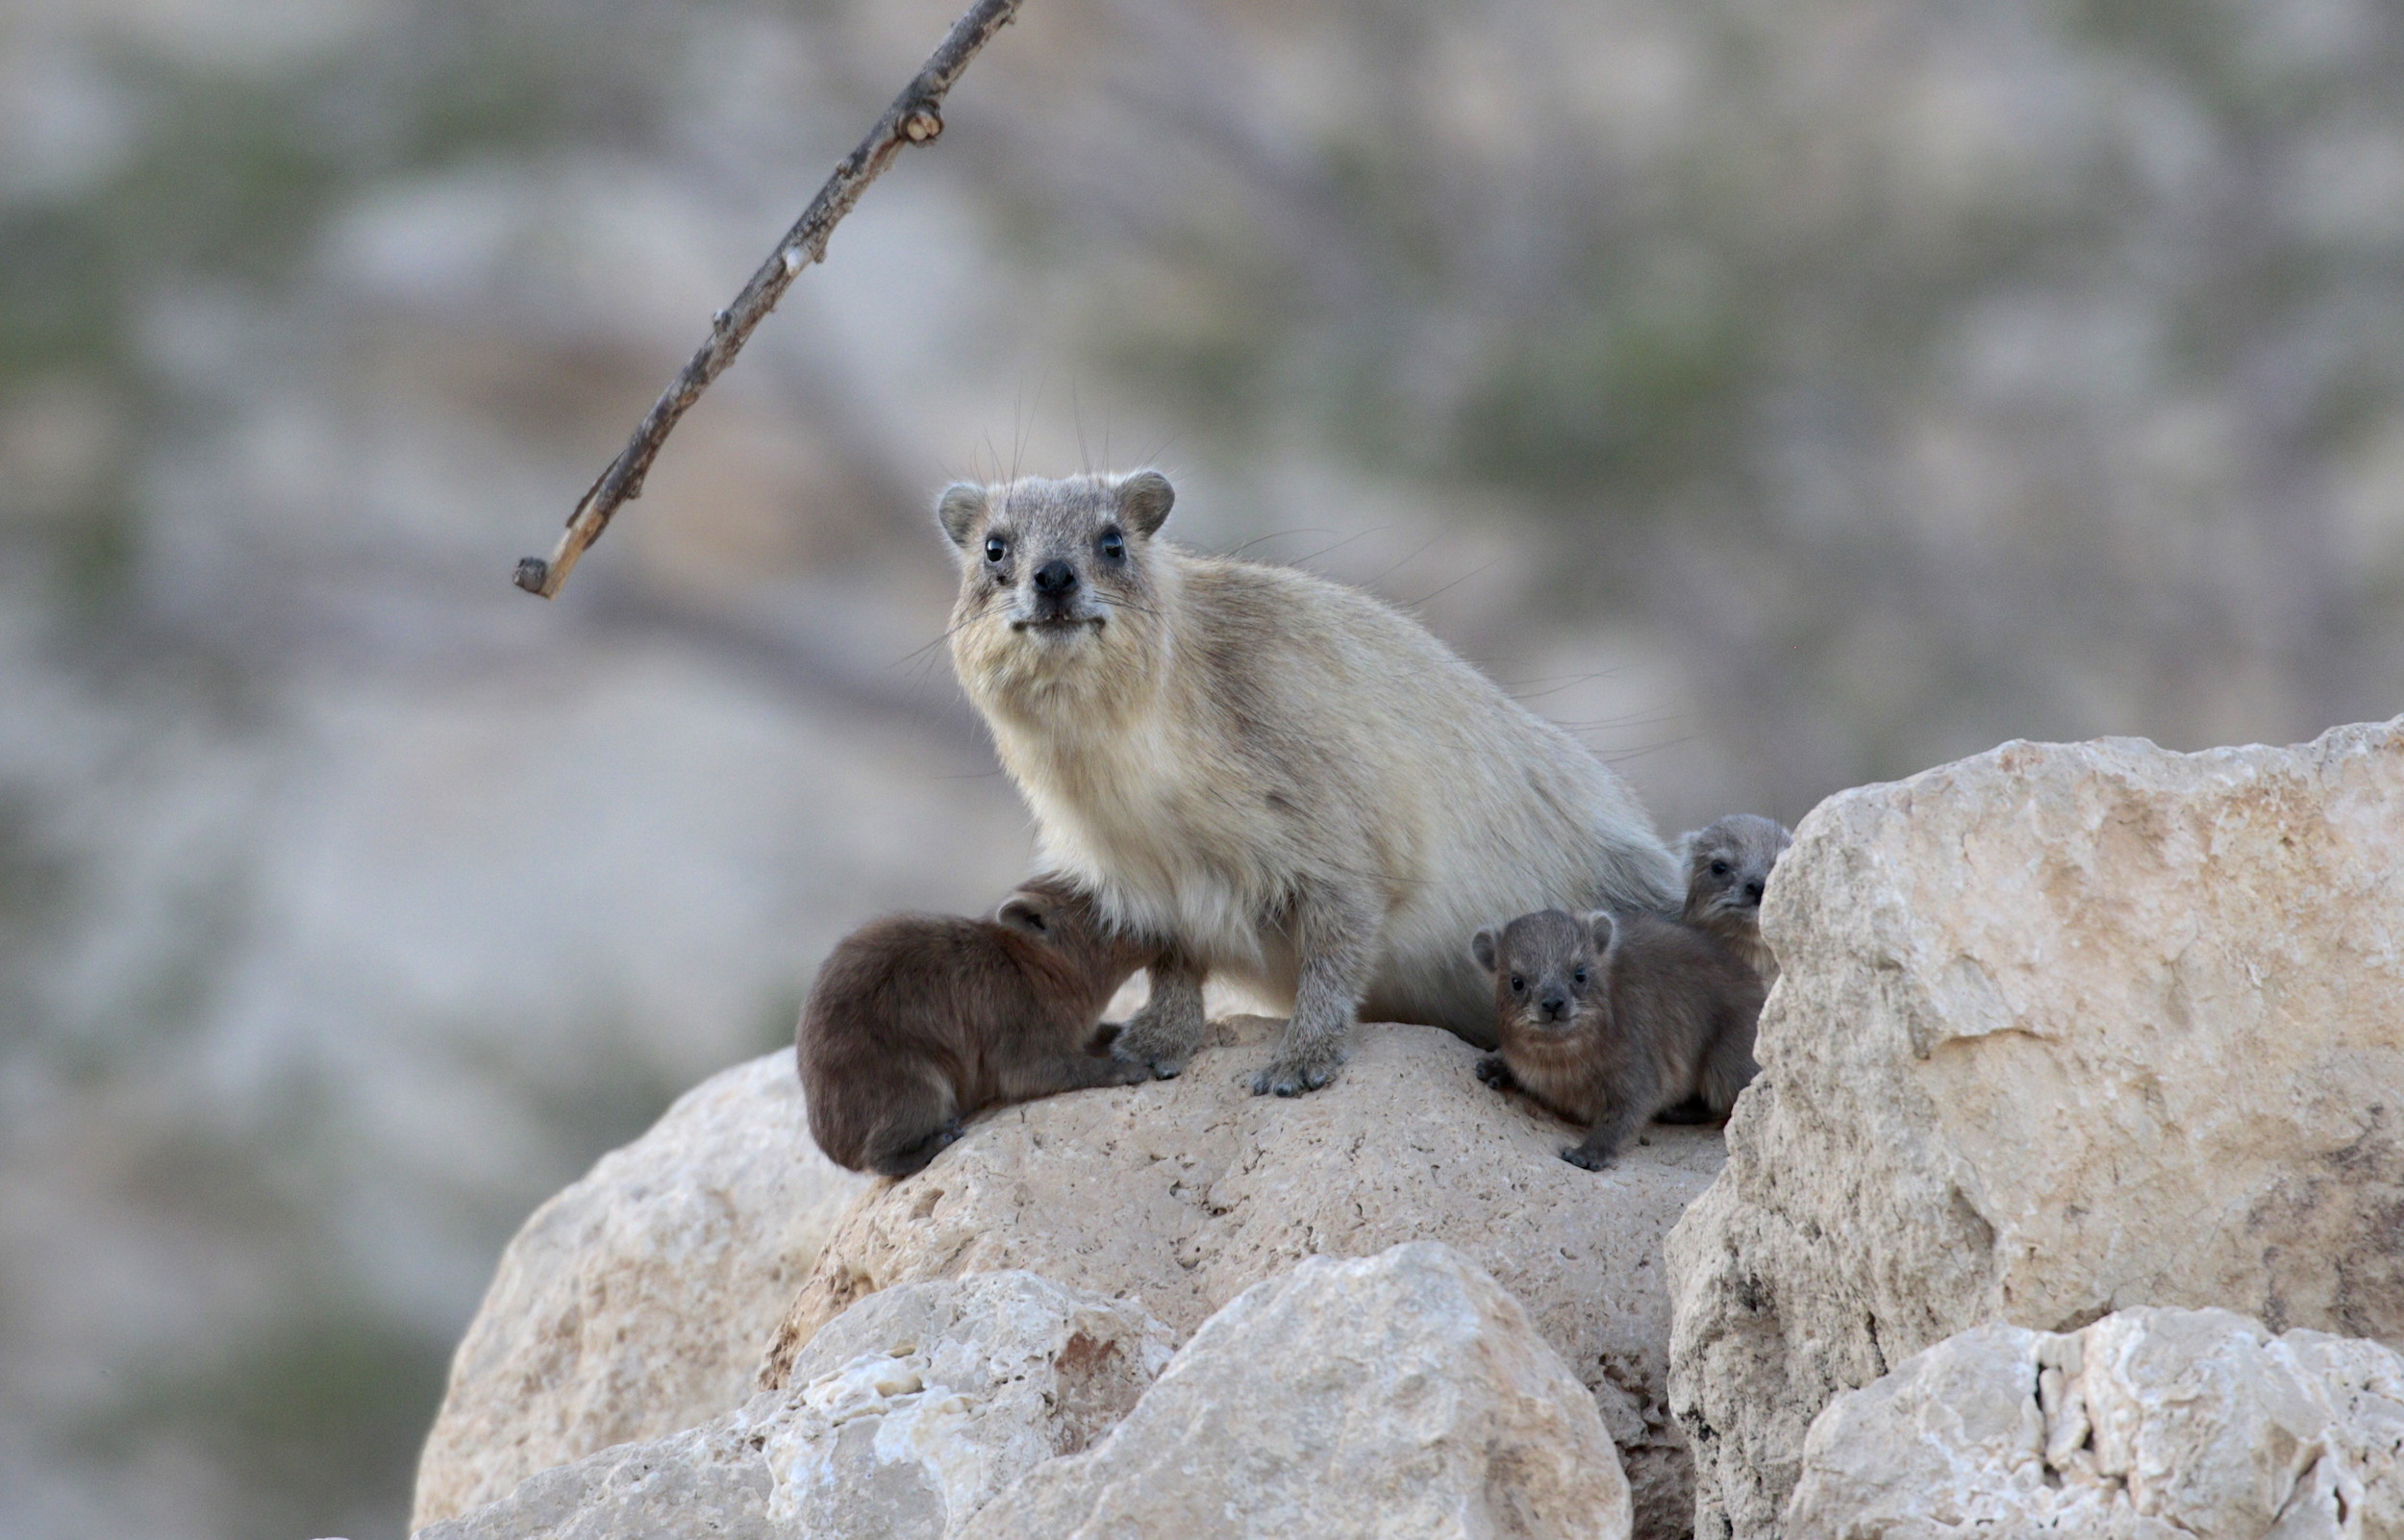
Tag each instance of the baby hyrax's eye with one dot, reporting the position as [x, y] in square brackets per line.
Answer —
[996, 548]
[1719, 868]
[1518, 985]
[1579, 977]
[1113, 546]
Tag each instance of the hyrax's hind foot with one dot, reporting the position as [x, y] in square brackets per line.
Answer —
[913, 1158]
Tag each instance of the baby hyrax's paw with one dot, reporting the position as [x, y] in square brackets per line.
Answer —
[1494, 1071]
[1584, 1159]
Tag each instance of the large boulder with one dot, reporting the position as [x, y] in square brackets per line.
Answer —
[1185, 1193]
[634, 1302]
[2061, 1030]
[2149, 1423]
[1400, 1395]
[901, 1421]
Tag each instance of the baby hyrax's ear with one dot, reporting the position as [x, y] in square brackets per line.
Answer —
[1021, 912]
[960, 510]
[1144, 500]
[1599, 924]
[1482, 948]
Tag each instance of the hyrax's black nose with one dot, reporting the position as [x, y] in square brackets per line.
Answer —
[1554, 1003]
[1055, 576]
[1753, 892]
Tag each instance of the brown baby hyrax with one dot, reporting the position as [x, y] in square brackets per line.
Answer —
[1727, 867]
[1608, 1020]
[917, 1021]
[1285, 780]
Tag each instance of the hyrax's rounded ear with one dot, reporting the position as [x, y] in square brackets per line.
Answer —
[1143, 501]
[958, 510]
[1482, 948]
[1021, 912]
[1599, 925]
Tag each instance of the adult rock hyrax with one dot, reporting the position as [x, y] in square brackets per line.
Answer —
[1279, 777]
[1609, 1020]
[917, 1021]
[1727, 866]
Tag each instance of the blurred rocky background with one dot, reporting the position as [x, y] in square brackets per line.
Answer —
[1784, 395]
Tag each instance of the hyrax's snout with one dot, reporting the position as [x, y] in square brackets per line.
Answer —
[1055, 576]
[1753, 892]
[1553, 1003]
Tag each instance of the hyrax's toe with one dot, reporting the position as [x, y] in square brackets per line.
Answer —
[1493, 1071]
[1577, 1154]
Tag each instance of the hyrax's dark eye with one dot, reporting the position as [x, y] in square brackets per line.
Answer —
[1113, 546]
[996, 548]
[1518, 985]
[1719, 868]
[1579, 977]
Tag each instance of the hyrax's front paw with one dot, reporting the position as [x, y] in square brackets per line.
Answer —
[1150, 1066]
[1579, 1156]
[1132, 1072]
[1294, 1074]
[1161, 1045]
[1494, 1071]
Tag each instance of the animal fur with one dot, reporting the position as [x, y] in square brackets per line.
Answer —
[918, 1020]
[1610, 1020]
[1280, 778]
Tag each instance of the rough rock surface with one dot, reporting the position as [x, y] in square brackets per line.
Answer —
[1185, 1193]
[2061, 1030]
[1404, 1394]
[2150, 1423]
[634, 1302]
[902, 1420]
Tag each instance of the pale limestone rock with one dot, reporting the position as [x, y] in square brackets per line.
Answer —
[634, 1304]
[2152, 1423]
[1400, 1395]
[2061, 1030]
[901, 1420]
[1185, 1193]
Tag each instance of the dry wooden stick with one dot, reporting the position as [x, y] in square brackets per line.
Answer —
[916, 117]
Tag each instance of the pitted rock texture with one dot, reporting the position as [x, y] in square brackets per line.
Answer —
[634, 1301]
[1185, 1193]
[2151, 1424]
[902, 1420]
[2061, 1030]
[1404, 1394]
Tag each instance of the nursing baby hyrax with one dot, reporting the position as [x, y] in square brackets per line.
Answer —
[1608, 1020]
[1279, 777]
[917, 1021]
[1727, 866]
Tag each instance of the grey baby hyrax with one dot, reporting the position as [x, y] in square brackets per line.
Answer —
[1279, 777]
[1608, 1020]
[917, 1021]
[1727, 868]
